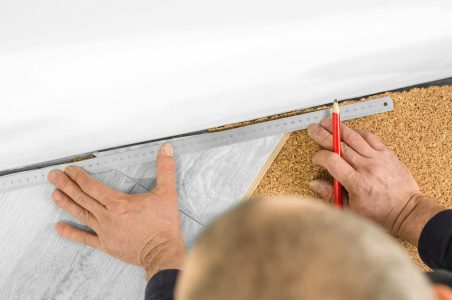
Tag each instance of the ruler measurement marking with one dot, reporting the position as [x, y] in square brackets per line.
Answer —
[107, 160]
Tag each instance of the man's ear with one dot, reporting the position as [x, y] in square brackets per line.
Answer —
[442, 292]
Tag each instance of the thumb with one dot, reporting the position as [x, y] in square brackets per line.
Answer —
[326, 191]
[323, 188]
[166, 169]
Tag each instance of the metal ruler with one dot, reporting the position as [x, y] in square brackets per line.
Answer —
[110, 159]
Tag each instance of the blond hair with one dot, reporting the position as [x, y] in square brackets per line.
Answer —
[259, 251]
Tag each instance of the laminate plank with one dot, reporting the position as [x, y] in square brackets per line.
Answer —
[212, 181]
[38, 264]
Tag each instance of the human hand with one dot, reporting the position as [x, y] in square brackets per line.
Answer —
[139, 229]
[379, 186]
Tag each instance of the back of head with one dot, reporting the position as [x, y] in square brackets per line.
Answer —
[298, 249]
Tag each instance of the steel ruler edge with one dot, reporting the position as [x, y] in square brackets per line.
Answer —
[110, 159]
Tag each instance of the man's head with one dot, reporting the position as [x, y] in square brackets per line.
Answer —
[290, 248]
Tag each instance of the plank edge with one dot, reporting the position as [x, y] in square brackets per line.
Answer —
[265, 167]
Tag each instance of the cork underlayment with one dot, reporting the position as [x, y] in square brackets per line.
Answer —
[419, 131]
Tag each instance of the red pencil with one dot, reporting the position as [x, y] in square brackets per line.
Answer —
[336, 116]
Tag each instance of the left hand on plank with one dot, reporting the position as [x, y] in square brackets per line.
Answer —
[139, 229]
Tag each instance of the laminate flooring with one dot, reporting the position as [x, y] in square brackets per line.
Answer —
[35, 263]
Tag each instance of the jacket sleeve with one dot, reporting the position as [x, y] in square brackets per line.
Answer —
[435, 241]
[161, 286]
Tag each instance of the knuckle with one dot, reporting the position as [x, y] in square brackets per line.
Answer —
[331, 156]
[323, 134]
[351, 176]
[62, 182]
[75, 173]
[84, 216]
[345, 149]
[63, 203]
[324, 158]
[168, 166]
[90, 187]
[168, 169]
[81, 197]
[371, 136]
[364, 189]
[119, 207]
[58, 196]
[314, 129]
[365, 134]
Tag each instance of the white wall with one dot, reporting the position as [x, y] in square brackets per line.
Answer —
[79, 76]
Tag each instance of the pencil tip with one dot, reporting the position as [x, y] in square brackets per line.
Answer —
[336, 108]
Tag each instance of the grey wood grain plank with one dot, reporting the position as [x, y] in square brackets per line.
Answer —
[212, 181]
[38, 264]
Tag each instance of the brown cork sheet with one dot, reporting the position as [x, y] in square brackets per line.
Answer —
[419, 131]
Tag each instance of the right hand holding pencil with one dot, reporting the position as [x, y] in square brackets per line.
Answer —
[378, 185]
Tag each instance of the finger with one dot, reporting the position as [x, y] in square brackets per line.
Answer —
[166, 168]
[66, 203]
[326, 191]
[372, 140]
[62, 182]
[89, 185]
[350, 137]
[336, 166]
[325, 139]
[77, 235]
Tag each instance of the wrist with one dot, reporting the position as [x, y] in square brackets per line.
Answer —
[164, 256]
[165, 264]
[416, 213]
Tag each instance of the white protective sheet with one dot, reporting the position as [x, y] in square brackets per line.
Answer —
[80, 76]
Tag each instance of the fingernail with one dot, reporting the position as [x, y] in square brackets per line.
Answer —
[52, 175]
[315, 186]
[68, 170]
[168, 150]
